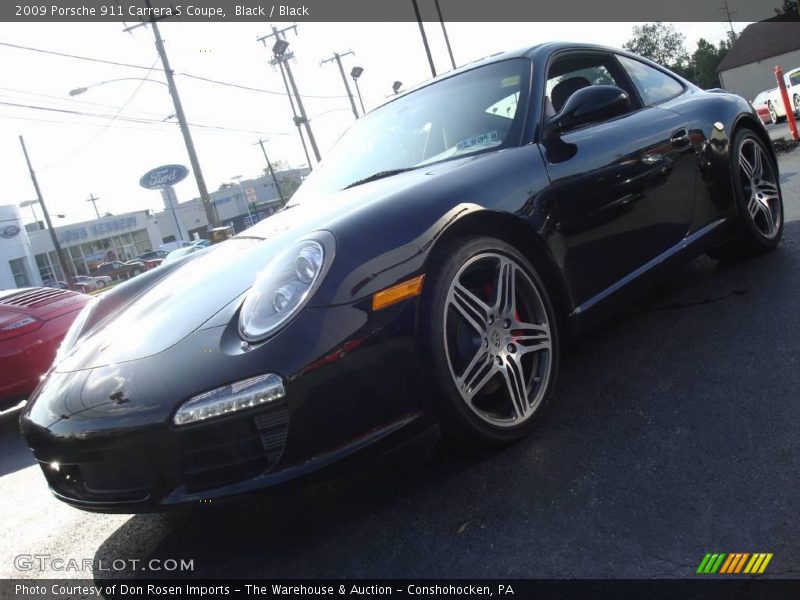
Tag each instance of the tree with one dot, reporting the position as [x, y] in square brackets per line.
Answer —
[278, 166]
[788, 7]
[662, 43]
[704, 64]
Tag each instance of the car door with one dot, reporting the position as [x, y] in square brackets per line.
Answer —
[623, 188]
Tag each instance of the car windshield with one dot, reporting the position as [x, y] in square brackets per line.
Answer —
[475, 111]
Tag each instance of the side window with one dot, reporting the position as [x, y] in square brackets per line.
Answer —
[569, 74]
[794, 78]
[654, 86]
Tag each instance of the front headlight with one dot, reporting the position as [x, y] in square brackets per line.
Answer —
[284, 287]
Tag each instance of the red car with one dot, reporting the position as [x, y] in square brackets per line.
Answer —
[33, 321]
[762, 105]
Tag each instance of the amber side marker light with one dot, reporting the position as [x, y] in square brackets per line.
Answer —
[398, 293]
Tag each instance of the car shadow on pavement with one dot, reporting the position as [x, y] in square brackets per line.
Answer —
[675, 413]
[14, 452]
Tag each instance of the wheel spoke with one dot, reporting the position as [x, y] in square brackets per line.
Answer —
[515, 385]
[531, 337]
[769, 189]
[745, 164]
[477, 374]
[758, 161]
[753, 206]
[506, 288]
[470, 307]
[770, 224]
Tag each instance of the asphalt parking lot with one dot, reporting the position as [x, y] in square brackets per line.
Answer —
[676, 432]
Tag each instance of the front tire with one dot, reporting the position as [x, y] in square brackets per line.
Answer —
[492, 338]
[758, 199]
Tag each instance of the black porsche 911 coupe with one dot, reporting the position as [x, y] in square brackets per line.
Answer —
[426, 274]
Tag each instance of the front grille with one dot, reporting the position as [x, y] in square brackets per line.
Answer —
[233, 449]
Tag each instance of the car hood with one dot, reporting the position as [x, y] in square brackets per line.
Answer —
[210, 280]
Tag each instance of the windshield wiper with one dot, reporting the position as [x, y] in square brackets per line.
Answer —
[379, 175]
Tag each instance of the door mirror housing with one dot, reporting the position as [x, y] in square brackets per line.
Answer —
[590, 105]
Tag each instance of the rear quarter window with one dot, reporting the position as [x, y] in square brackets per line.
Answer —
[653, 85]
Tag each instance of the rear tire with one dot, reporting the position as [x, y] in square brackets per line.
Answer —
[758, 200]
[491, 339]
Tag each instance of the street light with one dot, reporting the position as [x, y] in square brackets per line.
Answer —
[355, 73]
[279, 47]
[210, 210]
[81, 90]
[33, 212]
[396, 86]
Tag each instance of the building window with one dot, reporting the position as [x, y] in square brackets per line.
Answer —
[20, 272]
[49, 269]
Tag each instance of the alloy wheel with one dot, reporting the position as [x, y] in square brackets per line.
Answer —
[773, 116]
[497, 339]
[760, 188]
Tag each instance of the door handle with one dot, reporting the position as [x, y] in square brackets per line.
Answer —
[680, 138]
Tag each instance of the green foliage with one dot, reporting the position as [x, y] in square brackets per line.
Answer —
[289, 187]
[788, 6]
[660, 42]
[665, 45]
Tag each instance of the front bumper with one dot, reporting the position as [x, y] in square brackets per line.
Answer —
[105, 440]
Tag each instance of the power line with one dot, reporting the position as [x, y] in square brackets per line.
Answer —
[76, 56]
[113, 118]
[146, 68]
[252, 89]
[72, 101]
[140, 120]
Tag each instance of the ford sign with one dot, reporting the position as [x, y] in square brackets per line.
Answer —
[9, 231]
[162, 177]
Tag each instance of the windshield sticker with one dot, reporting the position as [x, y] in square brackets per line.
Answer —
[509, 81]
[478, 140]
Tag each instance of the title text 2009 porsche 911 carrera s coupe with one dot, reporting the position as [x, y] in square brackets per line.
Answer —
[426, 274]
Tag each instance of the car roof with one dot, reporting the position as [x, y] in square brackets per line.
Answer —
[533, 52]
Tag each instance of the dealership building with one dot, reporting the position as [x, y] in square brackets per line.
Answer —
[237, 205]
[28, 258]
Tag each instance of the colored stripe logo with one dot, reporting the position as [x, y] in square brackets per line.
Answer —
[736, 562]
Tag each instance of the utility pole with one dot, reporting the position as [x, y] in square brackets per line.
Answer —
[282, 57]
[62, 261]
[424, 38]
[272, 172]
[296, 118]
[730, 16]
[211, 214]
[338, 58]
[94, 200]
[444, 31]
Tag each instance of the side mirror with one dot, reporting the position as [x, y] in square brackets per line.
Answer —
[588, 105]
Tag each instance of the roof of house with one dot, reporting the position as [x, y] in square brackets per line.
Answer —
[762, 40]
